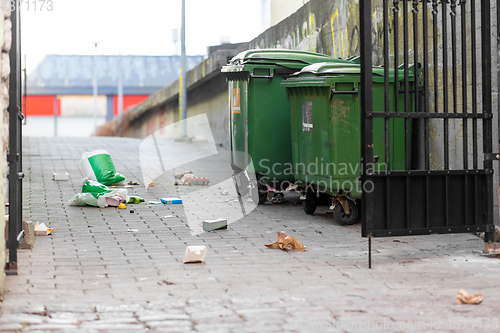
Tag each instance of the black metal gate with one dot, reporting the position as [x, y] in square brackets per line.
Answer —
[446, 185]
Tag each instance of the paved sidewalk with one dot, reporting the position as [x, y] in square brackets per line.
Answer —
[117, 270]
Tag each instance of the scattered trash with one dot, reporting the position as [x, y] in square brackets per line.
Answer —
[195, 253]
[133, 183]
[131, 211]
[180, 175]
[152, 184]
[464, 298]
[155, 202]
[98, 165]
[210, 225]
[98, 195]
[225, 192]
[42, 230]
[492, 249]
[191, 179]
[132, 230]
[168, 216]
[61, 176]
[165, 283]
[285, 242]
[133, 199]
[128, 186]
[171, 200]
[122, 206]
[292, 187]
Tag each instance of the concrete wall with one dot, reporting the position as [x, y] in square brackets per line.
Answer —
[281, 9]
[5, 42]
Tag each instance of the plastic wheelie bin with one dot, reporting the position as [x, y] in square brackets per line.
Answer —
[259, 114]
[325, 111]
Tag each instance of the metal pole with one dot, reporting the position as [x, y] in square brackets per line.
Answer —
[182, 78]
[55, 115]
[120, 94]
[95, 86]
[14, 156]
[25, 112]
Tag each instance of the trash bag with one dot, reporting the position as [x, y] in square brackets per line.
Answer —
[98, 165]
[88, 199]
[99, 195]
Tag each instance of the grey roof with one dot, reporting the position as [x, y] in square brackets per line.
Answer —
[72, 74]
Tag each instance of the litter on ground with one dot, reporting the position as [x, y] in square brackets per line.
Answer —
[464, 298]
[195, 254]
[285, 242]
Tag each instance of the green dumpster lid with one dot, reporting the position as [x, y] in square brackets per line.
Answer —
[278, 57]
[325, 74]
[325, 68]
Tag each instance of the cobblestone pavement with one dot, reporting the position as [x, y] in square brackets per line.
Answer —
[121, 270]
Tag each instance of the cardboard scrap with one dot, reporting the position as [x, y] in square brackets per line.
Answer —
[42, 230]
[171, 200]
[195, 253]
[60, 176]
[285, 242]
[464, 298]
[180, 175]
[191, 179]
[218, 224]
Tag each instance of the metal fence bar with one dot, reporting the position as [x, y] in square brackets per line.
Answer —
[453, 14]
[365, 12]
[395, 11]
[387, 100]
[14, 156]
[487, 107]
[426, 88]
[474, 82]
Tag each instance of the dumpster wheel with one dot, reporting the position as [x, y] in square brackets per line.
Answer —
[346, 219]
[310, 203]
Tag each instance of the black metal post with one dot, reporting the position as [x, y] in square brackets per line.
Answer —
[365, 15]
[14, 156]
[487, 105]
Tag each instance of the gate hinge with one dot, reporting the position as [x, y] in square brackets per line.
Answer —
[492, 156]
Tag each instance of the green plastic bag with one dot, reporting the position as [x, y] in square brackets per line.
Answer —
[95, 188]
[98, 165]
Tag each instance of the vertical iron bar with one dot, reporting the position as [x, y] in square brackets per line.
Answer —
[444, 35]
[15, 204]
[487, 108]
[453, 14]
[426, 84]
[415, 50]
[406, 50]
[395, 10]
[435, 53]
[474, 83]
[369, 252]
[464, 81]
[365, 16]
[386, 86]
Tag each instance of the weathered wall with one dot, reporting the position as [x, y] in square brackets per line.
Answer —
[281, 9]
[5, 41]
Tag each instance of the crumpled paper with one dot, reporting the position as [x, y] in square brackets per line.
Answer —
[464, 298]
[285, 243]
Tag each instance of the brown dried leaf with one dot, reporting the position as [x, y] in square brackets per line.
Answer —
[464, 298]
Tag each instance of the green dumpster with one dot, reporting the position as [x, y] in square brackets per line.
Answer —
[325, 111]
[259, 114]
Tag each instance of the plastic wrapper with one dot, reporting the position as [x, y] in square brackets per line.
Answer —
[98, 165]
[99, 195]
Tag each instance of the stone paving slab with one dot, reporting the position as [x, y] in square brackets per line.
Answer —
[107, 270]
